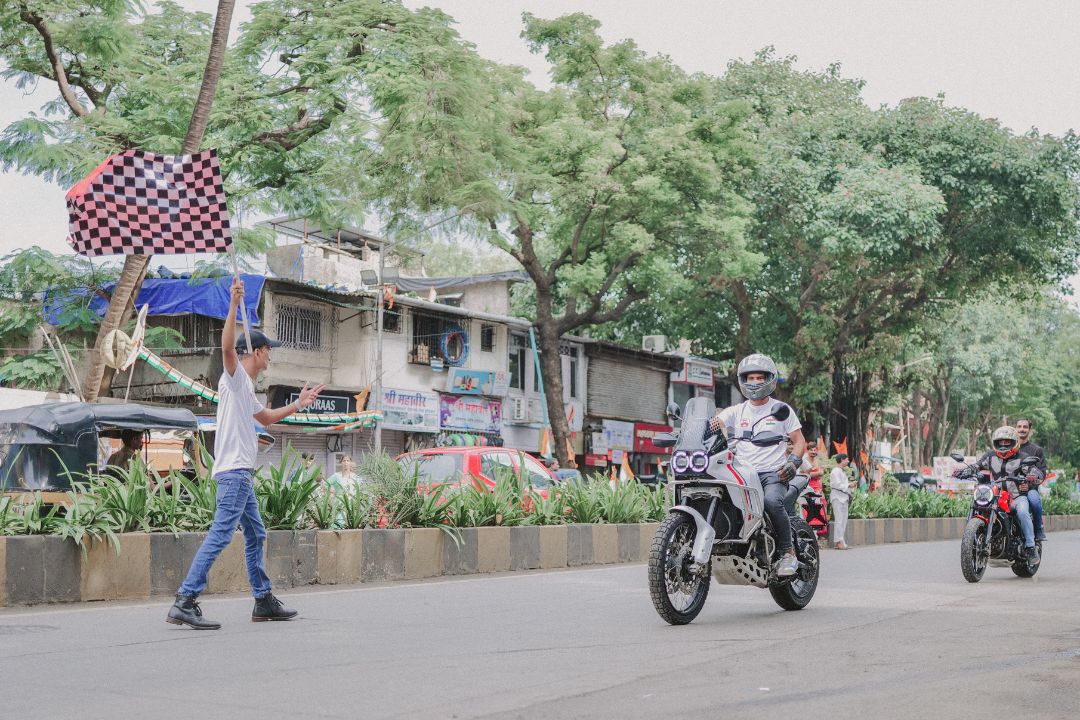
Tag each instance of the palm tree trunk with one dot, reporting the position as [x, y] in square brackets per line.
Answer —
[98, 377]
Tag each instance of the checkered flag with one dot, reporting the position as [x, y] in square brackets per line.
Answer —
[139, 203]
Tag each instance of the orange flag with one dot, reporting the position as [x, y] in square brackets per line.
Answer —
[841, 447]
[864, 457]
[822, 450]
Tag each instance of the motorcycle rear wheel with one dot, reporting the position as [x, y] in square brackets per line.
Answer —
[796, 593]
[973, 553]
[1023, 568]
[677, 594]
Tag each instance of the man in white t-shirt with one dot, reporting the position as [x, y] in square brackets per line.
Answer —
[235, 449]
[840, 498]
[774, 465]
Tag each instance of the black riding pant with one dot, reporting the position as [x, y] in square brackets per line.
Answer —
[775, 490]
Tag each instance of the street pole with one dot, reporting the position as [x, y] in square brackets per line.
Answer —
[378, 348]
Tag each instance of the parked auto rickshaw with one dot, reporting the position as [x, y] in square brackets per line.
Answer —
[44, 447]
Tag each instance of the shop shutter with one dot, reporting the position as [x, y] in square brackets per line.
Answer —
[626, 390]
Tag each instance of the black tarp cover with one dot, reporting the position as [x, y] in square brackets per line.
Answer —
[63, 423]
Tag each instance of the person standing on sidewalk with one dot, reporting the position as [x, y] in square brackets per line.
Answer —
[235, 449]
[840, 498]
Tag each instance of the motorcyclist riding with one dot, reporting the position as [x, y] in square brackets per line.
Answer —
[1003, 460]
[1035, 476]
[757, 376]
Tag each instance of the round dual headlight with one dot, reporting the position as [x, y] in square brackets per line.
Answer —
[683, 462]
[984, 494]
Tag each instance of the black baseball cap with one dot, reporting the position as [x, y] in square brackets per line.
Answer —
[258, 340]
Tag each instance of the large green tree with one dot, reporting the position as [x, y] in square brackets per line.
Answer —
[596, 186]
[874, 222]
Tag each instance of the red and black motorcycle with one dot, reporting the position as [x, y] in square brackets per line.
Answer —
[992, 535]
[813, 508]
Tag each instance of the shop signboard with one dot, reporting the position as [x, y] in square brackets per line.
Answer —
[645, 433]
[694, 373]
[338, 404]
[410, 410]
[618, 435]
[461, 381]
[470, 414]
[699, 374]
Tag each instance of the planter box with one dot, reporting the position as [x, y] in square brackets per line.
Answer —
[461, 558]
[579, 545]
[383, 555]
[492, 549]
[339, 555]
[647, 531]
[525, 547]
[107, 575]
[44, 569]
[629, 537]
[423, 552]
[552, 546]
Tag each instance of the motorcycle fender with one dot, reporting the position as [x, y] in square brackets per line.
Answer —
[705, 536]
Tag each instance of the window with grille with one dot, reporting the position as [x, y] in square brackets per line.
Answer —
[517, 362]
[487, 338]
[299, 327]
[391, 321]
[200, 334]
[428, 331]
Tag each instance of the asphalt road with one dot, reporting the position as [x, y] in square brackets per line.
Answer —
[894, 632]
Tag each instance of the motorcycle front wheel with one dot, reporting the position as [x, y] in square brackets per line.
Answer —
[796, 593]
[973, 551]
[677, 593]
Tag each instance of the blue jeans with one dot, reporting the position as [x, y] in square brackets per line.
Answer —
[235, 504]
[1023, 515]
[1035, 501]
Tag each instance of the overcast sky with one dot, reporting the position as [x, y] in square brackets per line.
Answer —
[1016, 61]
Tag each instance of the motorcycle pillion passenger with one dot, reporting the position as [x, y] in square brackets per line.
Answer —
[1003, 461]
[774, 464]
[1035, 477]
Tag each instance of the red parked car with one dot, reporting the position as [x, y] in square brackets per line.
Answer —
[459, 464]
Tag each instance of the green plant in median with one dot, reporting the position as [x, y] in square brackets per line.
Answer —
[357, 507]
[284, 491]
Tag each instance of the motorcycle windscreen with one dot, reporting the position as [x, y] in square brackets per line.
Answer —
[699, 411]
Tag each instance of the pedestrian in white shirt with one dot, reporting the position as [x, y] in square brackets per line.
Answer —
[840, 498]
[234, 467]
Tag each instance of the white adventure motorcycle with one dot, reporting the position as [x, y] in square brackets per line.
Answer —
[718, 526]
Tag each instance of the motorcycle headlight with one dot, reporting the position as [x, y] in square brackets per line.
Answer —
[699, 461]
[680, 462]
[984, 494]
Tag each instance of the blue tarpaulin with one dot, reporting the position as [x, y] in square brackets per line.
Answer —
[206, 296]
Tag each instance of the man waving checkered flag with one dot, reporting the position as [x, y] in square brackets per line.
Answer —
[139, 203]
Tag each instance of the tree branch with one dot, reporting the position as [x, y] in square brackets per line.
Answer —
[66, 92]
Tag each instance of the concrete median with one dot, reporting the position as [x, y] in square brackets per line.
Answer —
[44, 569]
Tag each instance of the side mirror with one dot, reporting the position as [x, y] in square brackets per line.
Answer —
[957, 457]
[664, 440]
[673, 411]
[780, 411]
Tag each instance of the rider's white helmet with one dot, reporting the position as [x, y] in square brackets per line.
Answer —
[757, 363]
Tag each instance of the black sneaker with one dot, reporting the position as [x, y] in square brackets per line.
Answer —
[1031, 553]
[1040, 536]
[186, 611]
[269, 607]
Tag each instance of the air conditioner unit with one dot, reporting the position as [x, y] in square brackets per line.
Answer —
[536, 410]
[519, 409]
[654, 343]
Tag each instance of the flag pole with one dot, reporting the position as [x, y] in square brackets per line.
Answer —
[236, 275]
